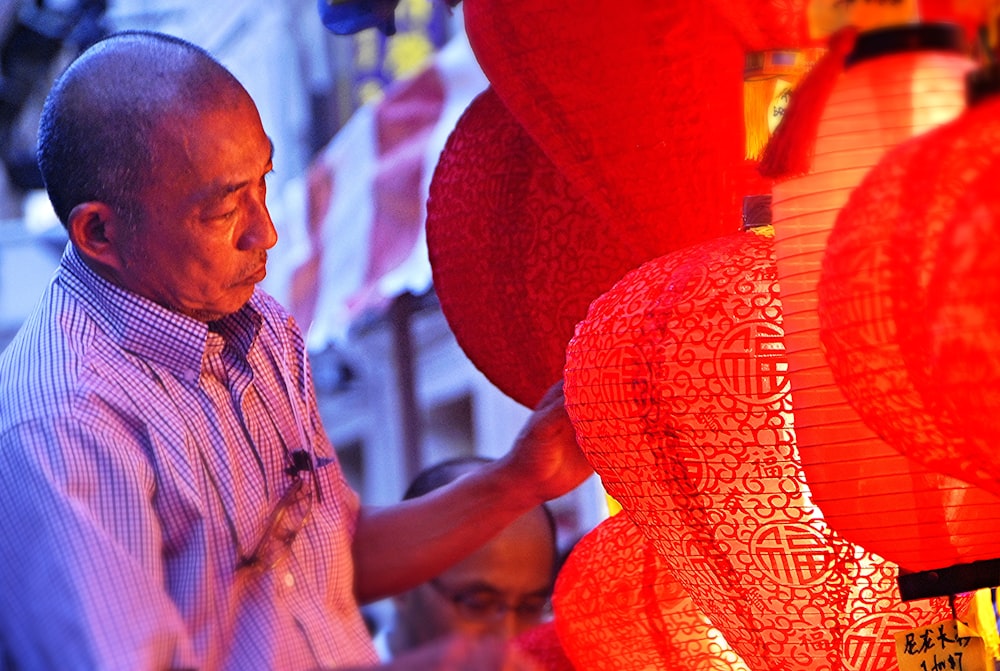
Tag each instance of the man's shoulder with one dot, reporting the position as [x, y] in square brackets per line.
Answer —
[52, 361]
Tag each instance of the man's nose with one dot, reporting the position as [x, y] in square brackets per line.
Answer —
[260, 232]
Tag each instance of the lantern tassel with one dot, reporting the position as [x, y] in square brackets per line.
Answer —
[789, 153]
[757, 94]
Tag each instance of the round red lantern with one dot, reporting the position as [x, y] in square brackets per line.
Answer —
[676, 385]
[963, 308]
[860, 336]
[638, 104]
[618, 608]
[941, 196]
[516, 253]
[900, 83]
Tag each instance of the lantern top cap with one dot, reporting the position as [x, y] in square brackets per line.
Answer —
[756, 211]
[890, 40]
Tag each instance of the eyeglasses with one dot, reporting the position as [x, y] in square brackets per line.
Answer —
[287, 518]
[484, 604]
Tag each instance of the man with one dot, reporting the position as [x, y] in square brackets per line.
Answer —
[502, 589]
[168, 497]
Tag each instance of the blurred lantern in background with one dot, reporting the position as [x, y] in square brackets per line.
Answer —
[943, 289]
[764, 25]
[346, 17]
[860, 334]
[638, 104]
[617, 608]
[517, 254]
[899, 82]
[676, 385]
[963, 309]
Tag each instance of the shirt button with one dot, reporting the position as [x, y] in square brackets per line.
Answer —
[289, 580]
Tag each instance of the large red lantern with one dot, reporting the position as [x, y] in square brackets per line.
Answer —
[676, 386]
[618, 608]
[964, 309]
[946, 209]
[639, 104]
[517, 254]
[868, 492]
[860, 336]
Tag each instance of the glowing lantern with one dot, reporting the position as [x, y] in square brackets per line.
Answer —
[618, 609]
[676, 386]
[638, 104]
[517, 254]
[896, 87]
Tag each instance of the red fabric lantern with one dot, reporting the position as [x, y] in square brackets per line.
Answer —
[764, 25]
[868, 492]
[639, 104]
[676, 386]
[859, 335]
[964, 311]
[516, 253]
[944, 204]
[619, 609]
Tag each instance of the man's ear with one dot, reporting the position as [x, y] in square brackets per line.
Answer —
[93, 230]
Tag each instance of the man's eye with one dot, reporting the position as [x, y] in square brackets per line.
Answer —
[480, 601]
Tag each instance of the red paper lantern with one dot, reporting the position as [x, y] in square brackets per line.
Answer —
[964, 312]
[868, 492]
[639, 104]
[619, 609]
[676, 386]
[860, 337]
[517, 254]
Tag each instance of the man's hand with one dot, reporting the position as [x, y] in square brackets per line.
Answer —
[546, 457]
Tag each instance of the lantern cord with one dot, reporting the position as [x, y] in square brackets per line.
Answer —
[951, 604]
[789, 152]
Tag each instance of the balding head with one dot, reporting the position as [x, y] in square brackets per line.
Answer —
[99, 120]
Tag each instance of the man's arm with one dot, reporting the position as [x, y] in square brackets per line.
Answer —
[400, 546]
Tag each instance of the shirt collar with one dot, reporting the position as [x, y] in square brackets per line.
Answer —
[149, 330]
